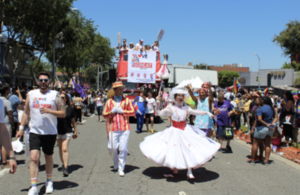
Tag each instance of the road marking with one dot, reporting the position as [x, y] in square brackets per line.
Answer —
[4, 171]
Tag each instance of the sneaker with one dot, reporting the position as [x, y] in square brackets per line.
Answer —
[33, 191]
[49, 187]
[152, 131]
[229, 148]
[121, 173]
[252, 162]
[61, 168]
[115, 167]
[66, 172]
[265, 163]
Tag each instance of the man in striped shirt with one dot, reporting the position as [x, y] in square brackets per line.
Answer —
[117, 110]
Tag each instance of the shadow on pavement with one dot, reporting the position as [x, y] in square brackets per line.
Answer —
[72, 168]
[57, 185]
[129, 168]
[42, 167]
[201, 174]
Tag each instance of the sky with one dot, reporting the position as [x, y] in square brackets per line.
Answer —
[215, 32]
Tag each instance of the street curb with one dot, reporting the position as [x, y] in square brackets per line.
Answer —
[275, 156]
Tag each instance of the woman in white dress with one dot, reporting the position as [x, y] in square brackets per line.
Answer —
[180, 146]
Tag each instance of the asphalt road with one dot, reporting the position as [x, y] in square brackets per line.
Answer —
[91, 171]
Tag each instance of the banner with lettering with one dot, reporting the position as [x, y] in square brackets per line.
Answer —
[141, 66]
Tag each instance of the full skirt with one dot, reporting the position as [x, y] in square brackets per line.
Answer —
[180, 149]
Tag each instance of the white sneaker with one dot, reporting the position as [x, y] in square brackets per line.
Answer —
[49, 187]
[121, 173]
[33, 191]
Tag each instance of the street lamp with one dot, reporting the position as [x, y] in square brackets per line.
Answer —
[3, 41]
[258, 70]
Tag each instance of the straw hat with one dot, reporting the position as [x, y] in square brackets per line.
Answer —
[117, 84]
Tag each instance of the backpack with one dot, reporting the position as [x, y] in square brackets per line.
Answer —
[240, 105]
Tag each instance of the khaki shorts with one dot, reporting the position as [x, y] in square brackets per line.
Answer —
[64, 136]
[9, 129]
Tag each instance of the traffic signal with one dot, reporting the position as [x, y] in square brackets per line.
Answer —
[269, 78]
[256, 78]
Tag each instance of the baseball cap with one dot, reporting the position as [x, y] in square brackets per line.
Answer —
[141, 40]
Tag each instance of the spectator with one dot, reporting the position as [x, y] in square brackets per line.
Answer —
[99, 103]
[5, 140]
[9, 120]
[150, 110]
[15, 99]
[252, 117]
[238, 113]
[264, 124]
[287, 118]
[65, 133]
[248, 101]
[224, 110]
[131, 47]
[139, 46]
[155, 46]
[148, 48]
[141, 103]
[78, 107]
[124, 46]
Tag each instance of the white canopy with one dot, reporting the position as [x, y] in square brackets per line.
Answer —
[197, 83]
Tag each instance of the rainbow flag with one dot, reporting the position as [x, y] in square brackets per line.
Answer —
[190, 86]
[190, 102]
[294, 92]
[265, 92]
[284, 101]
[235, 87]
[298, 110]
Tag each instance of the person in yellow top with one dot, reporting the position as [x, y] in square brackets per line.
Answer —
[247, 103]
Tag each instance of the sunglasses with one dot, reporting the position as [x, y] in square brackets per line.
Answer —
[45, 80]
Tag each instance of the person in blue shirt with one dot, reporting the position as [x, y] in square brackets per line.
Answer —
[140, 105]
[15, 99]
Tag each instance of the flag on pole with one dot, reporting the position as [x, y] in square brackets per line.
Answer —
[190, 85]
[235, 87]
[284, 101]
[294, 92]
[265, 92]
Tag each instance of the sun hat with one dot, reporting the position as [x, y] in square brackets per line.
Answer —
[117, 84]
[130, 43]
[179, 91]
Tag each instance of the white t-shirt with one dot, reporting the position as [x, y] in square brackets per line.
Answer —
[150, 105]
[2, 112]
[233, 104]
[7, 107]
[42, 124]
[138, 46]
[99, 102]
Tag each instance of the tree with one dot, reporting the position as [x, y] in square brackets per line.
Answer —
[202, 66]
[294, 65]
[90, 74]
[289, 39]
[226, 78]
[42, 66]
[33, 25]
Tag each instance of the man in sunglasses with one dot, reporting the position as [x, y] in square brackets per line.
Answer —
[44, 106]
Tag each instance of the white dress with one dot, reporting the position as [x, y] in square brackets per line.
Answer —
[181, 146]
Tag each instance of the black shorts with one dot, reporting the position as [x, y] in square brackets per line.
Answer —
[47, 143]
[149, 115]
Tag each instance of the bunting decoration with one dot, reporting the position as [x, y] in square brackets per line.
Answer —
[294, 92]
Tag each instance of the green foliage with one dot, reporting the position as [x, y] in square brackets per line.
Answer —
[226, 78]
[289, 38]
[202, 66]
[41, 67]
[90, 74]
[82, 46]
[297, 82]
[295, 66]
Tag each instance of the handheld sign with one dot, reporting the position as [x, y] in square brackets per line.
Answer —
[160, 34]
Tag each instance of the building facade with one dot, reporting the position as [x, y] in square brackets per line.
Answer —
[279, 77]
[229, 67]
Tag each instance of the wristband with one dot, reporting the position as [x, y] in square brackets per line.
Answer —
[21, 128]
[12, 158]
